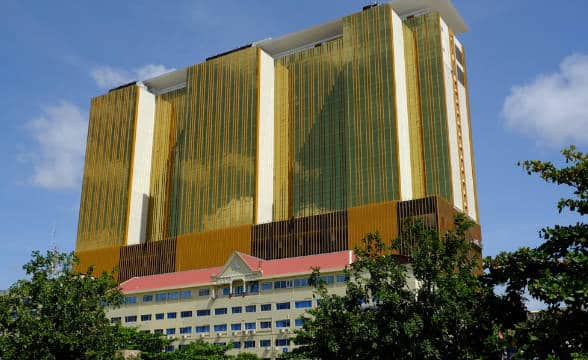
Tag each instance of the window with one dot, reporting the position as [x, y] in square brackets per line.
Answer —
[173, 295]
[226, 291]
[132, 318]
[172, 315]
[236, 345]
[300, 282]
[341, 278]
[160, 297]
[253, 287]
[328, 279]
[281, 342]
[460, 76]
[169, 348]
[220, 311]
[222, 343]
[147, 298]
[236, 309]
[220, 327]
[203, 312]
[158, 331]
[170, 331]
[186, 330]
[186, 314]
[266, 286]
[283, 323]
[283, 284]
[303, 304]
[204, 292]
[283, 306]
[130, 300]
[298, 322]
[186, 294]
[265, 324]
[265, 343]
[250, 308]
[159, 316]
[250, 326]
[146, 317]
[236, 327]
[238, 290]
[458, 54]
[266, 307]
[115, 319]
[203, 329]
[249, 344]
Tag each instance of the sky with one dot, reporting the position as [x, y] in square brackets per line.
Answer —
[527, 63]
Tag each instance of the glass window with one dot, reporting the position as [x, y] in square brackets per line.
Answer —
[253, 287]
[158, 331]
[222, 343]
[300, 282]
[203, 329]
[226, 291]
[341, 278]
[159, 316]
[220, 311]
[186, 294]
[249, 344]
[220, 327]
[186, 314]
[298, 322]
[160, 297]
[266, 286]
[250, 308]
[147, 298]
[130, 300]
[186, 330]
[172, 315]
[132, 318]
[236, 327]
[238, 290]
[281, 342]
[283, 306]
[265, 324]
[173, 295]
[283, 323]
[283, 284]
[115, 319]
[203, 312]
[265, 343]
[204, 292]
[327, 279]
[236, 310]
[250, 326]
[266, 307]
[303, 304]
[169, 348]
[170, 331]
[145, 317]
[236, 345]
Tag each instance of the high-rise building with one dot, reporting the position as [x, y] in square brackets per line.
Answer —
[283, 147]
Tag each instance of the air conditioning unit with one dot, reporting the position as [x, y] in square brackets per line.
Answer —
[251, 332]
[203, 335]
[220, 334]
[268, 348]
[282, 331]
[235, 333]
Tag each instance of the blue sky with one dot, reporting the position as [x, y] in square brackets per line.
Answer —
[528, 73]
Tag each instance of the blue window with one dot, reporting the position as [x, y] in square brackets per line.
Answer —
[327, 279]
[265, 343]
[146, 317]
[283, 306]
[238, 290]
[172, 315]
[266, 307]
[203, 329]
[265, 324]
[300, 282]
[236, 309]
[169, 348]
[341, 278]
[115, 319]
[253, 287]
[203, 312]
[282, 342]
[132, 318]
[303, 304]
[204, 292]
[170, 331]
[250, 326]
[220, 311]
[186, 314]
[266, 286]
[298, 322]
[160, 297]
[283, 323]
[186, 294]
[159, 316]
[236, 327]
[147, 298]
[220, 327]
[236, 345]
[222, 343]
[186, 330]
[173, 295]
[249, 344]
[226, 291]
[283, 284]
[131, 300]
[250, 308]
[158, 331]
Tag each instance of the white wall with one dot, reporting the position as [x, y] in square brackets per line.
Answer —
[467, 153]
[402, 124]
[136, 231]
[265, 150]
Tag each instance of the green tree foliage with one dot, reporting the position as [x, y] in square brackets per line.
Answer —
[385, 315]
[556, 273]
[200, 350]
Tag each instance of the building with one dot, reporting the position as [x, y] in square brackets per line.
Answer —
[252, 304]
[284, 147]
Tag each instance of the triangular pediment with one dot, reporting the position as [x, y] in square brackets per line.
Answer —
[236, 267]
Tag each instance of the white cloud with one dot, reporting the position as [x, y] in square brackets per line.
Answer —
[553, 108]
[59, 136]
[109, 77]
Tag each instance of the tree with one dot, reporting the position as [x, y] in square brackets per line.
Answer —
[555, 272]
[200, 350]
[385, 315]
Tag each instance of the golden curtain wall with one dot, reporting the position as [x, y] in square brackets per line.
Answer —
[169, 109]
[213, 182]
[371, 218]
[108, 170]
[101, 260]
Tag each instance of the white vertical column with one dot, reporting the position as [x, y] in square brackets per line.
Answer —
[265, 145]
[138, 211]
[402, 124]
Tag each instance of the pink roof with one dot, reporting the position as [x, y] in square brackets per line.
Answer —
[302, 264]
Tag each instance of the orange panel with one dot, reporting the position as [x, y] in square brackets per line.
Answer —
[371, 218]
[103, 260]
[211, 248]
